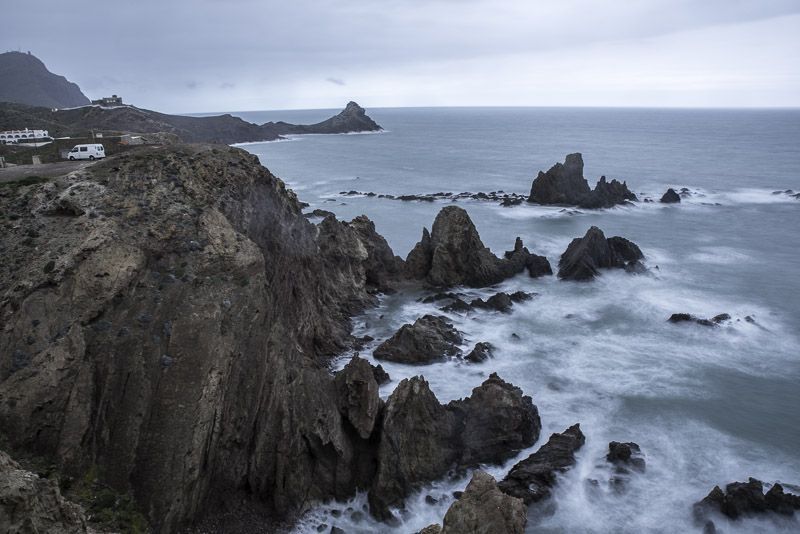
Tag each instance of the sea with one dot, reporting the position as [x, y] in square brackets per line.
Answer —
[707, 406]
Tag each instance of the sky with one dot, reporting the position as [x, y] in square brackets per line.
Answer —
[182, 56]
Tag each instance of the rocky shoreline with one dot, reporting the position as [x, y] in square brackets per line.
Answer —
[169, 315]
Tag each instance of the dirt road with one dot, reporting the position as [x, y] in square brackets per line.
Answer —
[45, 170]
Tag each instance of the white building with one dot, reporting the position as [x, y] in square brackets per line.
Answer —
[25, 136]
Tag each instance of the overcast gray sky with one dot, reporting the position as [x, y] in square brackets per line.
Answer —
[224, 55]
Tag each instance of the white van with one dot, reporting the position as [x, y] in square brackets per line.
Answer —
[87, 152]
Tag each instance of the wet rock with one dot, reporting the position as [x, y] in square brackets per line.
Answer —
[453, 254]
[688, 318]
[483, 508]
[382, 268]
[357, 394]
[670, 197]
[440, 296]
[564, 184]
[430, 499]
[585, 256]
[431, 338]
[29, 503]
[747, 498]
[532, 479]
[521, 296]
[380, 374]
[421, 439]
[431, 529]
[481, 352]
[626, 455]
[458, 305]
[499, 302]
[320, 213]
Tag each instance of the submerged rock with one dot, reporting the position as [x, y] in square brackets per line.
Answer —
[453, 254]
[585, 256]
[626, 455]
[747, 498]
[671, 197]
[431, 338]
[421, 439]
[564, 184]
[484, 509]
[481, 352]
[532, 479]
[688, 318]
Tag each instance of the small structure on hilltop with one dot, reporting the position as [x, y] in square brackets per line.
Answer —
[112, 100]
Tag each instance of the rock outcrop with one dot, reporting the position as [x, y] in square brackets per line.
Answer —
[453, 254]
[585, 256]
[172, 333]
[717, 320]
[481, 352]
[626, 456]
[532, 479]
[353, 118]
[29, 503]
[421, 439]
[564, 184]
[671, 197]
[484, 509]
[357, 394]
[430, 339]
[24, 79]
[747, 498]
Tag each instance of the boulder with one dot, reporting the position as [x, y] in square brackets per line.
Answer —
[689, 318]
[747, 498]
[585, 256]
[481, 352]
[357, 394]
[421, 440]
[671, 197]
[626, 456]
[453, 254]
[431, 338]
[29, 503]
[484, 509]
[564, 184]
[532, 479]
[498, 302]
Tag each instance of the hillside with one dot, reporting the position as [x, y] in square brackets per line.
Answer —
[225, 129]
[25, 79]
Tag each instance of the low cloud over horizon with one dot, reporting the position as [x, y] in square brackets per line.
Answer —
[210, 55]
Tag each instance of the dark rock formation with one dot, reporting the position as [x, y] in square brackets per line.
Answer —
[176, 342]
[357, 393]
[688, 318]
[29, 503]
[421, 439]
[747, 498]
[499, 302]
[481, 352]
[532, 479]
[483, 508]
[626, 455]
[25, 80]
[670, 197]
[382, 267]
[585, 256]
[380, 374]
[353, 118]
[564, 184]
[453, 254]
[431, 338]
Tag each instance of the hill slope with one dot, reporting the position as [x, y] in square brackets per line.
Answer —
[25, 79]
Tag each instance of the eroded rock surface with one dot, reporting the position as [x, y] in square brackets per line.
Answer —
[585, 256]
[357, 393]
[31, 504]
[532, 479]
[431, 338]
[564, 184]
[421, 439]
[670, 197]
[453, 254]
[484, 509]
[747, 498]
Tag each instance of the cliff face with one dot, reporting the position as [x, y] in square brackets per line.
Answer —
[166, 316]
[24, 79]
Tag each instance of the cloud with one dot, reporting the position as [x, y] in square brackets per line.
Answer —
[280, 54]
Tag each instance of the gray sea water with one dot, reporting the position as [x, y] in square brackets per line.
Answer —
[707, 406]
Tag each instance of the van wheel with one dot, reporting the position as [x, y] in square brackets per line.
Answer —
[91, 158]
[72, 158]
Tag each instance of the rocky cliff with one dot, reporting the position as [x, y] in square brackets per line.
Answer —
[167, 319]
[24, 79]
